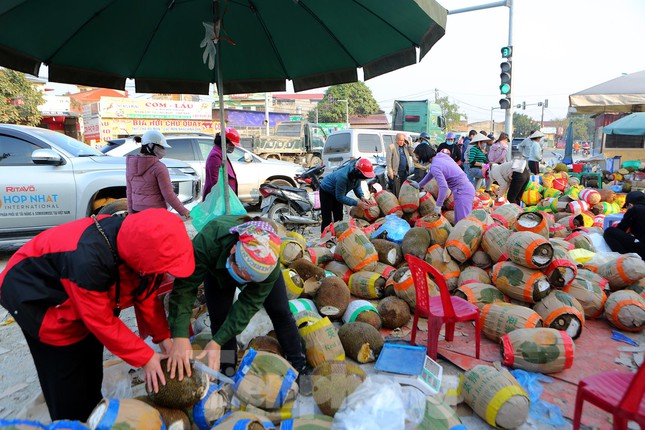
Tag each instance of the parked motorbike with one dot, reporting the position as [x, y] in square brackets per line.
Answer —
[295, 208]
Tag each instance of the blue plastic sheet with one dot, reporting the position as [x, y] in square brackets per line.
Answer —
[622, 338]
[394, 227]
[540, 410]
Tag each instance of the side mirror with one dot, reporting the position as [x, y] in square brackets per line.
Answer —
[248, 158]
[47, 156]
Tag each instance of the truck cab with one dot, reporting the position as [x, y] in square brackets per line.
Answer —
[296, 141]
[417, 116]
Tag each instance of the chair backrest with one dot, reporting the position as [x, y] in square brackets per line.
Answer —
[634, 395]
[420, 269]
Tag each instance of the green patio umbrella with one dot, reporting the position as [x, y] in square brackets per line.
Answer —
[244, 46]
[166, 45]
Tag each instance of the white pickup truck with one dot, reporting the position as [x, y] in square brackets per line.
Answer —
[48, 178]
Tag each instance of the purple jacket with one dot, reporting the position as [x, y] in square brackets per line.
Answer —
[149, 186]
[213, 163]
[449, 176]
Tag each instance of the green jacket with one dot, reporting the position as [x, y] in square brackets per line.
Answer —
[212, 247]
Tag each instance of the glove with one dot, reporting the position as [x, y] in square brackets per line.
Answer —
[437, 210]
[209, 44]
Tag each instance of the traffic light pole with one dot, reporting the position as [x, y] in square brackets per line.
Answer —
[508, 120]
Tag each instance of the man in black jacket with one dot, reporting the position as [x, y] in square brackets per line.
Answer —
[629, 235]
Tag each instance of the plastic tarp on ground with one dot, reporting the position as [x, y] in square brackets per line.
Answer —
[623, 94]
[630, 125]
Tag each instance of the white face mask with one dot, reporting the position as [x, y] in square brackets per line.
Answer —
[159, 151]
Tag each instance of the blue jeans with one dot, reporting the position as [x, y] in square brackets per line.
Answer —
[476, 177]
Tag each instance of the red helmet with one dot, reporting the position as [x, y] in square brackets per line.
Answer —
[365, 168]
[232, 135]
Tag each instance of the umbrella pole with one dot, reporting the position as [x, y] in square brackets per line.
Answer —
[222, 131]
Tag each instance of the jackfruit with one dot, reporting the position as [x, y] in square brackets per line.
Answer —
[333, 381]
[178, 394]
[332, 297]
[361, 341]
[394, 312]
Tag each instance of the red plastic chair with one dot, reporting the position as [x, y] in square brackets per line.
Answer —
[620, 394]
[439, 309]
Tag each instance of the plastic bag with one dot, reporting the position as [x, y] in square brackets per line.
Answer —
[117, 382]
[394, 228]
[380, 403]
[215, 204]
[599, 243]
[540, 410]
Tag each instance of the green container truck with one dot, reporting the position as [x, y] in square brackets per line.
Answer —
[417, 116]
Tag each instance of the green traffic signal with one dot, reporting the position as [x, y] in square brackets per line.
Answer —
[505, 88]
[507, 51]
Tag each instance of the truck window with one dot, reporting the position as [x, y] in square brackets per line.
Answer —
[337, 144]
[369, 143]
[288, 130]
[623, 142]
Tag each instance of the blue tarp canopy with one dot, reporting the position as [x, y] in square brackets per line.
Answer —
[630, 125]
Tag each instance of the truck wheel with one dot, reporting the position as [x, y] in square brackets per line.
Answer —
[314, 161]
[116, 208]
[278, 210]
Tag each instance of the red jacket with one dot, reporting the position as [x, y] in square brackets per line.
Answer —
[60, 286]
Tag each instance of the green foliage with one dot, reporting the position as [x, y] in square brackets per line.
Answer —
[450, 112]
[583, 127]
[523, 125]
[19, 99]
[361, 102]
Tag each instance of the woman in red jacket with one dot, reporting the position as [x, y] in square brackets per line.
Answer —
[67, 286]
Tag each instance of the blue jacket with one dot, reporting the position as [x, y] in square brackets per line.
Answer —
[339, 184]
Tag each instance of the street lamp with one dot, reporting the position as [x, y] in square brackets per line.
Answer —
[346, 110]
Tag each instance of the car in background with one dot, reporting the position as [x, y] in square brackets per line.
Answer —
[516, 141]
[251, 170]
[48, 178]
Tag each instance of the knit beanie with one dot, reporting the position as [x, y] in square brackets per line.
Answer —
[257, 251]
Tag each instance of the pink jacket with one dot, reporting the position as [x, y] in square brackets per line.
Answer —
[149, 186]
[498, 152]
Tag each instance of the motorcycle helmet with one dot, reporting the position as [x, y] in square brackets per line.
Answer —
[232, 135]
[450, 135]
[424, 136]
[154, 137]
[365, 167]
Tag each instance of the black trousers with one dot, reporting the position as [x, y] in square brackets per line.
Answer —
[623, 242]
[518, 184]
[219, 302]
[331, 210]
[70, 376]
[534, 167]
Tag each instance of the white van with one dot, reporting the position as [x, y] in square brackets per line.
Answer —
[343, 145]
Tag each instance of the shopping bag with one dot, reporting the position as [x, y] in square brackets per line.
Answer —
[215, 204]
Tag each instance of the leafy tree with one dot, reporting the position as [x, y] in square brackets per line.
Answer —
[450, 112]
[19, 99]
[523, 125]
[583, 127]
[361, 102]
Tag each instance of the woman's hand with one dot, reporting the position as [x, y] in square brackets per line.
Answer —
[179, 357]
[165, 346]
[152, 370]
[212, 352]
[363, 205]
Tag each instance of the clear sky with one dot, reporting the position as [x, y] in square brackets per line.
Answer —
[559, 47]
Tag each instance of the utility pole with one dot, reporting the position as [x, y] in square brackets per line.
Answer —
[545, 104]
[436, 95]
[508, 126]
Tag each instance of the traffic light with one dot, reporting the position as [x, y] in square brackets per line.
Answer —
[505, 77]
[523, 105]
